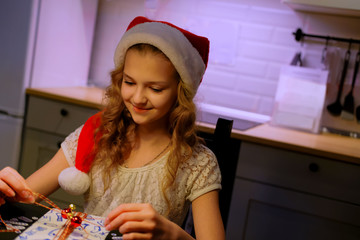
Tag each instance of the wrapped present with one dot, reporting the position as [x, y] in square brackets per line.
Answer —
[36, 222]
[53, 225]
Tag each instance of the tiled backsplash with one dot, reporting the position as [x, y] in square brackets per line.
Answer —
[250, 41]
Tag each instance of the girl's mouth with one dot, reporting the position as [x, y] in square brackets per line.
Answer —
[140, 110]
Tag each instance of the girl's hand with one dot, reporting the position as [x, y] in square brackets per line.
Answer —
[13, 185]
[140, 221]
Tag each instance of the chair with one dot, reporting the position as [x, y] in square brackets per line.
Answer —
[226, 151]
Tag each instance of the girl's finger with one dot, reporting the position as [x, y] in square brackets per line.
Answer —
[6, 190]
[26, 197]
[135, 235]
[123, 218]
[137, 226]
[12, 183]
[128, 207]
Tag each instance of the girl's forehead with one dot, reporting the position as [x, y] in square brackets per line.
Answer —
[148, 51]
[149, 68]
[139, 60]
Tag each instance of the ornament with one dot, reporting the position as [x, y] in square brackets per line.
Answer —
[76, 221]
[66, 212]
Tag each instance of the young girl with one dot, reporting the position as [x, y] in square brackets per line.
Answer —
[139, 162]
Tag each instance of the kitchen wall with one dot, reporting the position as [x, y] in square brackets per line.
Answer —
[250, 41]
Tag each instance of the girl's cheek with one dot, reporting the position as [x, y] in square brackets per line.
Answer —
[125, 93]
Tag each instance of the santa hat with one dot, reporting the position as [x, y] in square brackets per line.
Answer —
[188, 52]
[75, 180]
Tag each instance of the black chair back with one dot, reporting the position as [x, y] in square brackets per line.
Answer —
[226, 151]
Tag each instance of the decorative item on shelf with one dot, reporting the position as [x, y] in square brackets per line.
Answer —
[300, 98]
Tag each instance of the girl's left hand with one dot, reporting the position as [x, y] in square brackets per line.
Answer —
[140, 221]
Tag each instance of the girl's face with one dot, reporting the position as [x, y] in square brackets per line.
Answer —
[149, 87]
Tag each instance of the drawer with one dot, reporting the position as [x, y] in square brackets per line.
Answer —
[299, 171]
[39, 148]
[56, 117]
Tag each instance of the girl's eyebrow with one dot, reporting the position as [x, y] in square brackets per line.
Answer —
[127, 76]
[151, 82]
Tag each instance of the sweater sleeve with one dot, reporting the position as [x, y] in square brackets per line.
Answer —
[69, 146]
[205, 174]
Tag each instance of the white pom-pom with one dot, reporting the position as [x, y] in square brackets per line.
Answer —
[74, 181]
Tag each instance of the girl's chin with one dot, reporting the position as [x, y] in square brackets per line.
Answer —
[149, 122]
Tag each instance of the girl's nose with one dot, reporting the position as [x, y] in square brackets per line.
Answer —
[139, 96]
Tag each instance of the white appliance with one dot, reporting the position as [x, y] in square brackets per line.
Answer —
[43, 43]
[16, 23]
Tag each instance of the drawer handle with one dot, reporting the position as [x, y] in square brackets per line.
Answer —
[313, 167]
[64, 112]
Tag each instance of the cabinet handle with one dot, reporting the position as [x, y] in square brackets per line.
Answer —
[313, 167]
[64, 112]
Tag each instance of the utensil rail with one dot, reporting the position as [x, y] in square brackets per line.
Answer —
[299, 35]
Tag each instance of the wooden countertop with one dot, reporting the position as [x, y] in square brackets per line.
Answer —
[83, 96]
[325, 145]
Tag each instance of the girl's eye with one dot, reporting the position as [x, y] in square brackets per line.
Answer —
[128, 83]
[157, 90]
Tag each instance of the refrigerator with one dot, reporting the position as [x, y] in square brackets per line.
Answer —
[16, 23]
[43, 43]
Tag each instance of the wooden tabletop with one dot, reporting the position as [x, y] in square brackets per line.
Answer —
[325, 145]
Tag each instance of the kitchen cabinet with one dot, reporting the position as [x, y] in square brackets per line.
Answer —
[345, 7]
[282, 194]
[47, 123]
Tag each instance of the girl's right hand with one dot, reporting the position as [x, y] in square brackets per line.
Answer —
[13, 185]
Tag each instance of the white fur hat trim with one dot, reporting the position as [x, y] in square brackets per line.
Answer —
[74, 181]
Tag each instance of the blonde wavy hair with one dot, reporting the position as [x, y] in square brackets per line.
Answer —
[117, 126]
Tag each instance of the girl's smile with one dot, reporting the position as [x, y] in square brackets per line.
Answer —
[141, 110]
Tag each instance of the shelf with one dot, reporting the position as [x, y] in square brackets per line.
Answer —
[336, 7]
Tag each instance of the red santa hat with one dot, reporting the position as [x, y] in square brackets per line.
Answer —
[188, 53]
[75, 180]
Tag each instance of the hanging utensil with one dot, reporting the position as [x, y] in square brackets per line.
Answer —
[296, 61]
[324, 51]
[348, 107]
[336, 107]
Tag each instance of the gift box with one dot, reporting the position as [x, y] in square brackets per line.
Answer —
[36, 222]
